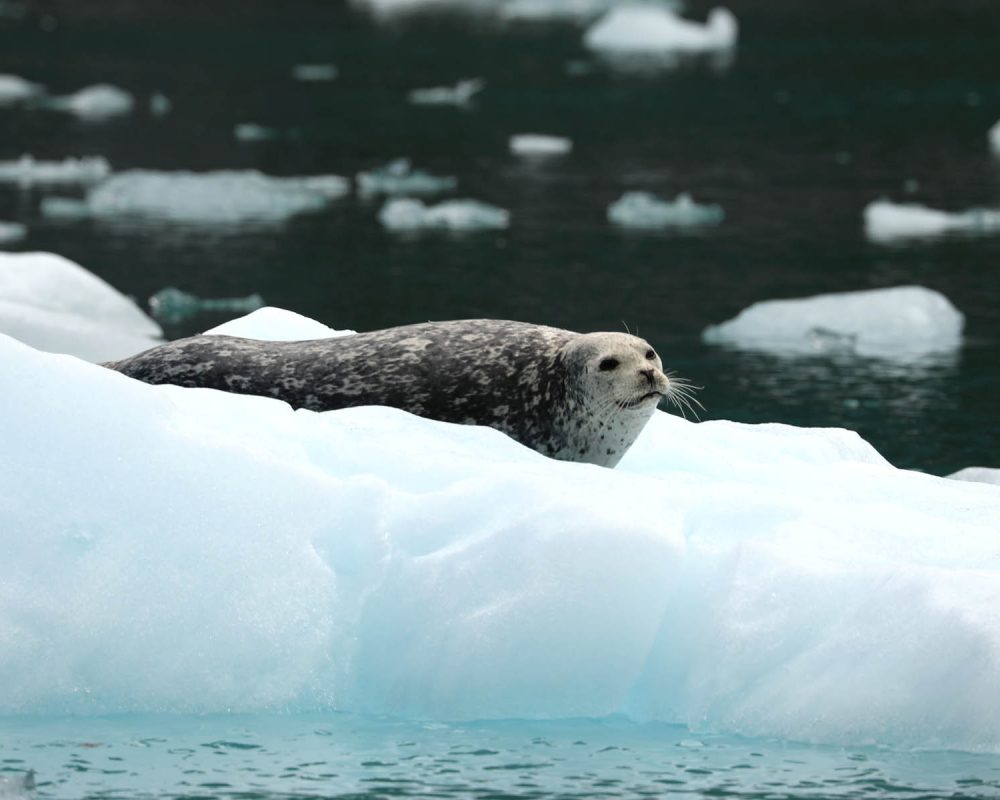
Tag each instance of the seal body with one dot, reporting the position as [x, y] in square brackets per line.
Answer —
[571, 396]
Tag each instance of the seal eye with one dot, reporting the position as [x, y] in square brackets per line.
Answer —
[650, 354]
[608, 364]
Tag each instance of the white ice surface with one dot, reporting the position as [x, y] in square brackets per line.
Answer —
[897, 322]
[15, 89]
[29, 171]
[539, 144]
[886, 221]
[399, 178]
[644, 210]
[187, 550]
[95, 103]
[647, 28]
[206, 198]
[53, 304]
[277, 325]
[408, 214]
[978, 475]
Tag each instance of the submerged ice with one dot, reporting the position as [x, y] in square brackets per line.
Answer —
[399, 178]
[645, 210]
[212, 552]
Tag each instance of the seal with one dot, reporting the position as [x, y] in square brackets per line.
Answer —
[571, 396]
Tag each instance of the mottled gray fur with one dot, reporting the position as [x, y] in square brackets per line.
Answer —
[572, 396]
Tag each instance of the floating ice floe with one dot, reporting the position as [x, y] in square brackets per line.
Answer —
[399, 178]
[458, 95]
[314, 72]
[886, 221]
[539, 144]
[653, 28]
[978, 475]
[898, 322]
[29, 171]
[408, 214]
[12, 232]
[237, 556]
[95, 103]
[53, 304]
[15, 89]
[171, 305]
[203, 197]
[548, 10]
[645, 210]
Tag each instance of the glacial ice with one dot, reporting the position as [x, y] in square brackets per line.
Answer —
[460, 94]
[897, 322]
[53, 304]
[29, 171]
[539, 144]
[207, 198]
[888, 222]
[172, 305]
[645, 210]
[15, 89]
[644, 28]
[314, 72]
[978, 475]
[408, 214]
[12, 232]
[206, 552]
[95, 103]
[399, 178]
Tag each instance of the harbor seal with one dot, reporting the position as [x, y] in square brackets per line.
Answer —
[571, 396]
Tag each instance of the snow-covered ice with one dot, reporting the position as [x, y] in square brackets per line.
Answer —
[207, 198]
[408, 214]
[206, 552]
[647, 28]
[886, 221]
[15, 89]
[458, 95]
[314, 72]
[539, 144]
[29, 171]
[978, 475]
[172, 305]
[897, 322]
[645, 210]
[12, 232]
[95, 103]
[399, 178]
[54, 304]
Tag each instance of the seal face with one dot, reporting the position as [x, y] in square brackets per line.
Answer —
[570, 396]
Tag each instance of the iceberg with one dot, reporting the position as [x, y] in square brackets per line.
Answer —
[208, 552]
[171, 305]
[407, 214]
[887, 222]
[15, 89]
[314, 72]
[54, 304]
[978, 475]
[645, 210]
[897, 322]
[399, 178]
[539, 144]
[29, 171]
[203, 198]
[12, 232]
[460, 94]
[95, 103]
[653, 29]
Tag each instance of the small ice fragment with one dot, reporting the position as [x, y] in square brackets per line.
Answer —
[95, 103]
[977, 475]
[539, 144]
[644, 210]
[399, 178]
[314, 72]
[172, 305]
[12, 232]
[159, 104]
[15, 89]
[994, 137]
[650, 28]
[251, 132]
[886, 221]
[28, 171]
[458, 95]
[407, 214]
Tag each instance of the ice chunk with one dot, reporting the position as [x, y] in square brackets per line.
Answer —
[886, 221]
[539, 144]
[644, 210]
[28, 171]
[978, 475]
[172, 305]
[399, 178]
[898, 322]
[11, 232]
[15, 89]
[53, 304]
[407, 214]
[95, 103]
[314, 72]
[652, 28]
[276, 325]
[458, 95]
[207, 198]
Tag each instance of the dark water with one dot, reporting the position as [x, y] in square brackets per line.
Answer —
[825, 107]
